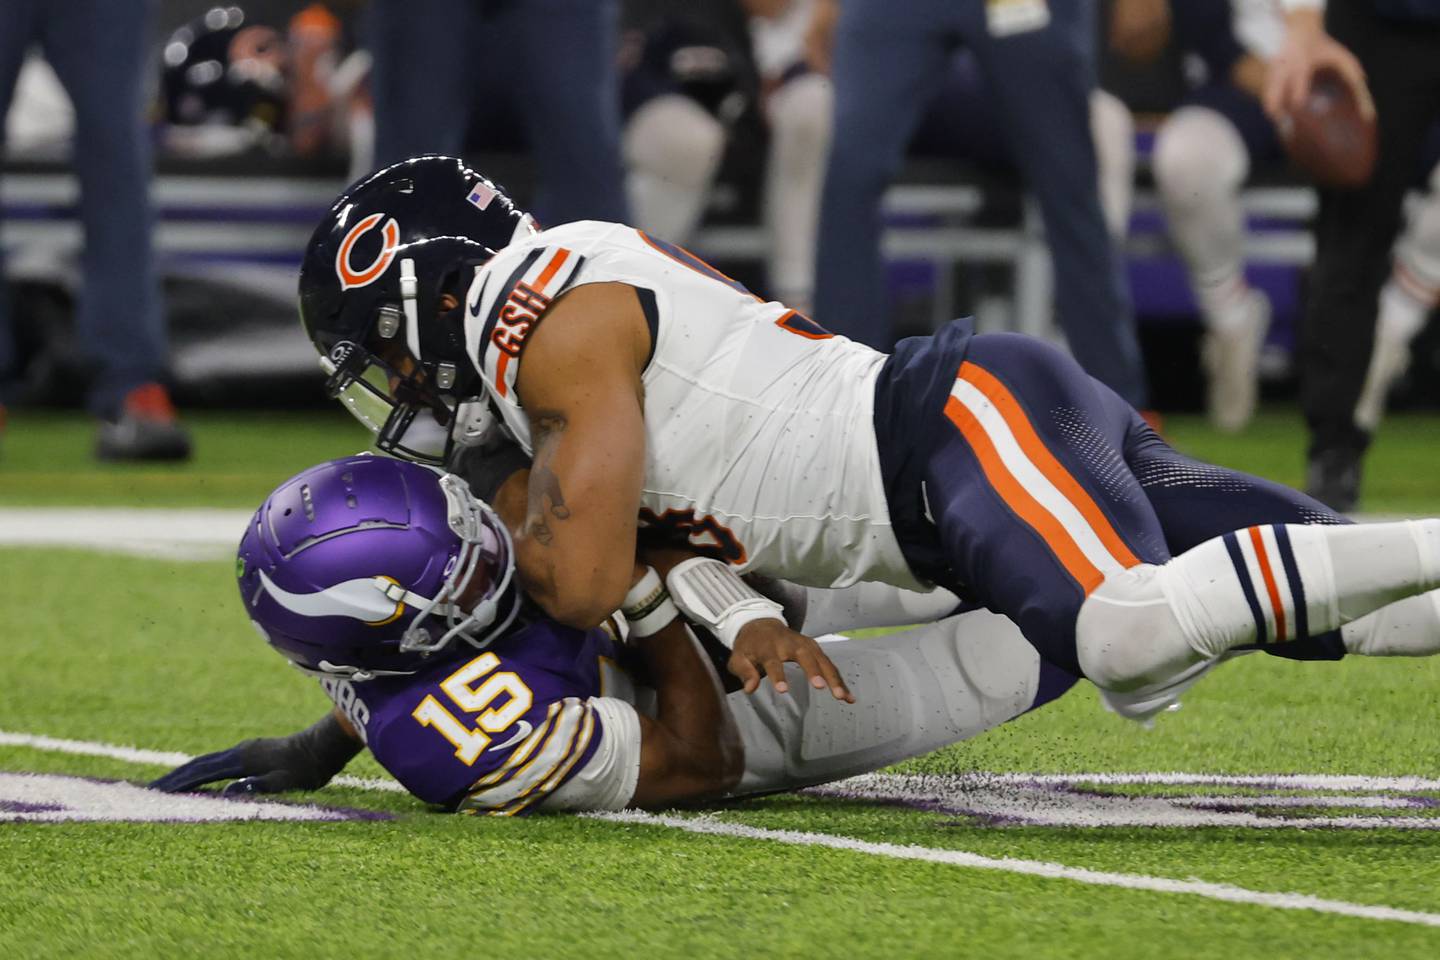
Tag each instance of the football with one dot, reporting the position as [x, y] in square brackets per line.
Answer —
[1328, 137]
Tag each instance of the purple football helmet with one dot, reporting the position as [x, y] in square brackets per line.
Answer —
[357, 567]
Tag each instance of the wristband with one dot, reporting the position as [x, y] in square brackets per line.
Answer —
[712, 594]
[648, 608]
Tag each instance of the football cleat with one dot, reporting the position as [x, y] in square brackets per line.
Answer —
[145, 429]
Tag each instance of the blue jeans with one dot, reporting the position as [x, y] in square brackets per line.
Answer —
[436, 61]
[100, 51]
[888, 59]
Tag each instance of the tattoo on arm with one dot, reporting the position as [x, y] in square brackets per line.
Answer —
[546, 498]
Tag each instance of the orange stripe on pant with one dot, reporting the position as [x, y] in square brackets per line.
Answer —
[1018, 499]
[1040, 455]
[1271, 587]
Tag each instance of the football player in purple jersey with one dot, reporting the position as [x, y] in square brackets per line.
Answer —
[395, 587]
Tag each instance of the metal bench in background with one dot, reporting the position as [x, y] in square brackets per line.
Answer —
[241, 227]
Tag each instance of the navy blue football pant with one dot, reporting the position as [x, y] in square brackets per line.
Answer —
[1044, 480]
[548, 64]
[888, 59]
[100, 51]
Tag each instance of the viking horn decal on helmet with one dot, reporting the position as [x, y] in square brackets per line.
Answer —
[390, 234]
[366, 599]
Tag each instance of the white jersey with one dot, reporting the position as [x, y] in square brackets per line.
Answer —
[778, 42]
[759, 433]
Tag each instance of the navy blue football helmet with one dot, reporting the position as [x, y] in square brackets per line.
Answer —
[372, 297]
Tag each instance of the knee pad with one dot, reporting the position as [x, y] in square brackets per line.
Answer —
[673, 138]
[1198, 155]
[1128, 635]
[800, 114]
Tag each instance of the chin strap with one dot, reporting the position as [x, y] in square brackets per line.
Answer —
[409, 302]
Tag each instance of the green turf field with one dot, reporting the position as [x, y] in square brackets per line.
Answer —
[103, 649]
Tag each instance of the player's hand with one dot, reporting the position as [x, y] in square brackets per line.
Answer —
[302, 761]
[1306, 50]
[764, 647]
[1139, 29]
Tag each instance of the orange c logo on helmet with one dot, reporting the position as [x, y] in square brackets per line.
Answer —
[350, 277]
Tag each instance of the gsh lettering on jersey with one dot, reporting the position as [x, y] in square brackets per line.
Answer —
[522, 308]
[729, 373]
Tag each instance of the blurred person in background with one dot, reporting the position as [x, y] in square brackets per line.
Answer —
[1407, 300]
[1037, 61]
[686, 81]
[553, 63]
[692, 80]
[233, 82]
[1205, 152]
[1393, 47]
[99, 50]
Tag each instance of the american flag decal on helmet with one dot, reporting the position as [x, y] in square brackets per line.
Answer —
[481, 195]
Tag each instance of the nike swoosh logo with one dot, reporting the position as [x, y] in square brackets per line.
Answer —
[522, 730]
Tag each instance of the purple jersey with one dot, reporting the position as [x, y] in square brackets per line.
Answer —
[491, 731]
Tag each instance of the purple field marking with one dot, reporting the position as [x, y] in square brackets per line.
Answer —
[1052, 801]
[52, 798]
[16, 806]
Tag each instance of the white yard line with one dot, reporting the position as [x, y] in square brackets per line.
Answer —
[169, 534]
[1290, 780]
[1036, 868]
[958, 858]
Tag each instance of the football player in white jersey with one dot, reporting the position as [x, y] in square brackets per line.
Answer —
[657, 396]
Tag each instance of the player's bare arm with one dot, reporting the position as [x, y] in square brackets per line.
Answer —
[763, 647]
[581, 387]
[1307, 49]
[690, 751]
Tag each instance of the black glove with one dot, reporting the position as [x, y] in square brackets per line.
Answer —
[302, 761]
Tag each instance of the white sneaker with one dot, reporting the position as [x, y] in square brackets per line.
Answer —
[1388, 363]
[1231, 357]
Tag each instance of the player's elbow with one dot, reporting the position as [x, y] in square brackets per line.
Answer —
[731, 765]
[578, 595]
[719, 768]
[577, 613]
[582, 602]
